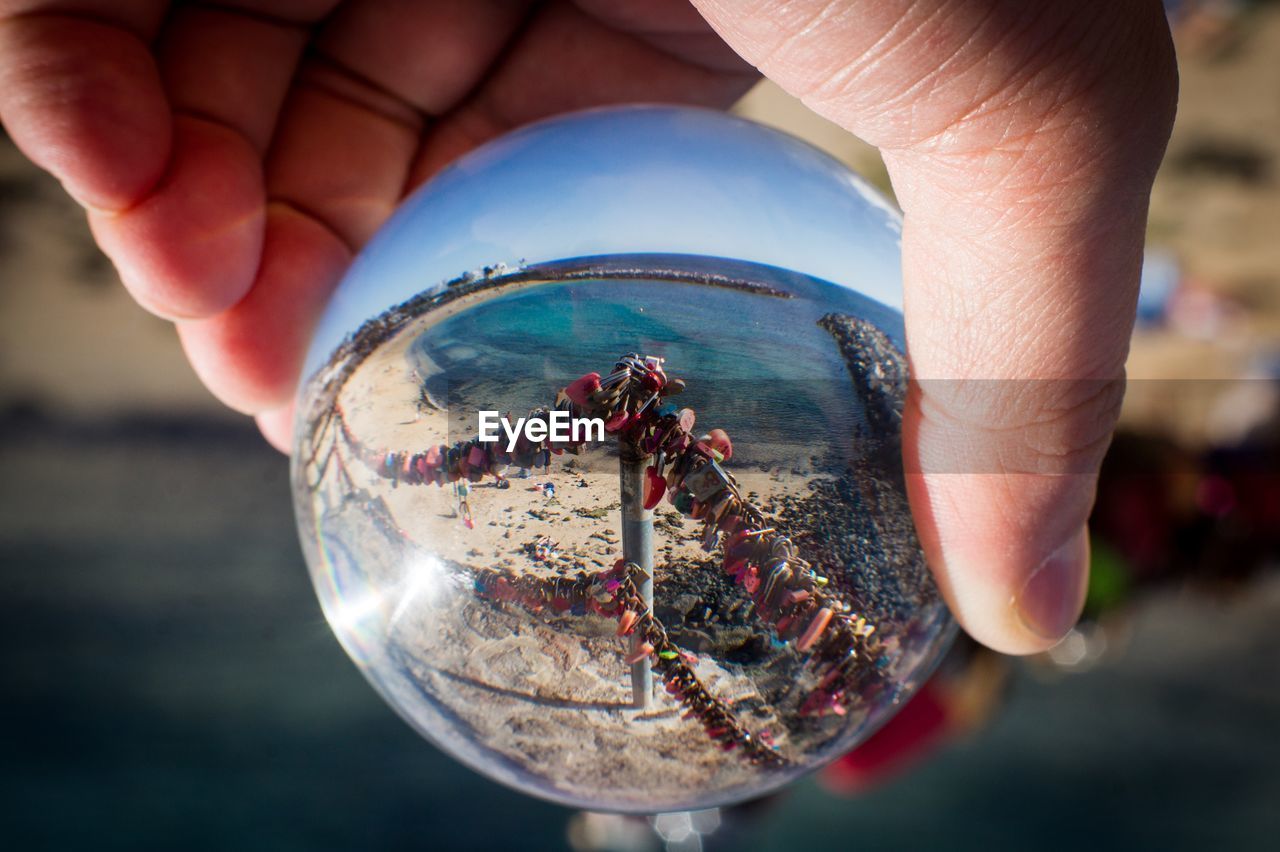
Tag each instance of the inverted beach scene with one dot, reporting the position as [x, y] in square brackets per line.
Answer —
[532, 686]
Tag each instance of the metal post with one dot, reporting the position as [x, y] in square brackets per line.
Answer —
[637, 547]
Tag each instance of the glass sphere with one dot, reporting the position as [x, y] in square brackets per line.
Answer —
[597, 462]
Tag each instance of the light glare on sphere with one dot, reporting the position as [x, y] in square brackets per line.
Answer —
[721, 302]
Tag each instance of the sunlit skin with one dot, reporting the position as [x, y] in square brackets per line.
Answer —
[234, 156]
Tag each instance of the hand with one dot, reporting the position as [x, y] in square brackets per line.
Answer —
[233, 157]
[1022, 139]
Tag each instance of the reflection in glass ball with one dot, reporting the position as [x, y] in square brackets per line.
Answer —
[597, 465]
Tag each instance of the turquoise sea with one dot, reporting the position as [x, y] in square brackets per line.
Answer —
[756, 365]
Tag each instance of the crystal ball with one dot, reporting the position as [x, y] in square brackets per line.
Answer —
[597, 462]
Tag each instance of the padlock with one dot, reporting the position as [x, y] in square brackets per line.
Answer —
[813, 632]
[654, 487]
[581, 390]
[705, 449]
[719, 440]
[707, 481]
[719, 507]
[687, 419]
[775, 585]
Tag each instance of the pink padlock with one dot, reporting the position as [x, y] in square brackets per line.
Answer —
[655, 485]
[719, 440]
[580, 390]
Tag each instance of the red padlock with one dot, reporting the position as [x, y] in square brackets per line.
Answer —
[655, 485]
[581, 389]
[719, 440]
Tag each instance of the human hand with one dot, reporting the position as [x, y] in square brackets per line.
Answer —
[233, 158]
[1022, 140]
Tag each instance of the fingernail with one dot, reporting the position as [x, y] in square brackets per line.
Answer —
[1050, 600]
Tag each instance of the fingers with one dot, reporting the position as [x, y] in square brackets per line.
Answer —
[335, 171]
[83, 100]
[277, 427]
[355, 118]
[338, 155]
[567, 59]
[229, 68]
[176, 204]
[1022, 140]
[342, 149]
[1017, 334]
[428, 55]
[250, 356]
[190, 248]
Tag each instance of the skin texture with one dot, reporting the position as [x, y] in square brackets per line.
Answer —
[233, 157]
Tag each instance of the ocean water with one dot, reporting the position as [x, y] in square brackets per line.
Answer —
[756, 365]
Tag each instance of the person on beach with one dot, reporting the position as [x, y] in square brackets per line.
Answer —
[461, 494]
[233, 157]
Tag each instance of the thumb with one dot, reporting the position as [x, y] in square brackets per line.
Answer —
[1022, 140]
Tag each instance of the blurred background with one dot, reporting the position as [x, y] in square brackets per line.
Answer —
[168, 680]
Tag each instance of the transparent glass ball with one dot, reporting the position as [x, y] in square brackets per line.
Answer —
[597, 462]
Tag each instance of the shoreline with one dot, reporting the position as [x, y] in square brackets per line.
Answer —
[489, 282]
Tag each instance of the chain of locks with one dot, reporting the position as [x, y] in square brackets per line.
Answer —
[784, 589]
